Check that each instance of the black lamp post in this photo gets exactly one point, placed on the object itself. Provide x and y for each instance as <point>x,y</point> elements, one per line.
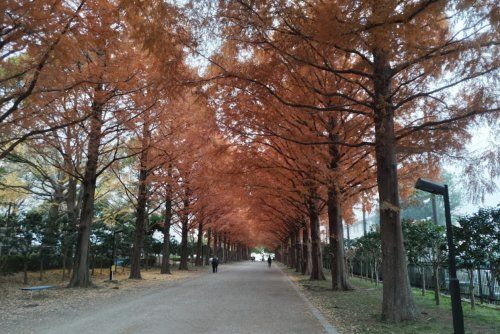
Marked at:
<point>456,304</point>
<point>114,254</point>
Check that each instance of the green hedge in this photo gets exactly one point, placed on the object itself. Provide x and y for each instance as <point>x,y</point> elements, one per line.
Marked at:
<point>10,264</point>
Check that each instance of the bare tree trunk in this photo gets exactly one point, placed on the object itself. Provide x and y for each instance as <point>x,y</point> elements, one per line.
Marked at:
<point>298,252</point>
<point>165,261</point>
<point>142,200</point>
<point>335,227</point>
<point>224,249</point>
<point>199,244</point>
<point>80,276</point>
<point>283,253</point>
<point>208,255</point>
<point>216,244</point>
<point>436,284</point>
<point>220,251</point>
<point>288,254</point>
<point>397,303</point>
<point>184,236</point>
<point>221,246</point>
<point>291,250</point>
<point>309,251</point>
<point>135,261</point>
<point>317,267</point>
<point>305,240</point>
<point>338,270</point>
<point>423,280</point>
<point>480,284</point>
<point>471,289</point>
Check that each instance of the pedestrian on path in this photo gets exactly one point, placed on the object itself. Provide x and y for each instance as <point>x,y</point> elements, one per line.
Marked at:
<point>269,261</point>
<point>215,264</point>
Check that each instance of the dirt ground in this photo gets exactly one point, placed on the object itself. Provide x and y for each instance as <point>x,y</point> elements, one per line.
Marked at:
<point>16,303</point>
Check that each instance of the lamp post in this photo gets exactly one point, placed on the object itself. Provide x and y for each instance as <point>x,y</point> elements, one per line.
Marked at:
<point>456,305</point>
<point>113,254</point>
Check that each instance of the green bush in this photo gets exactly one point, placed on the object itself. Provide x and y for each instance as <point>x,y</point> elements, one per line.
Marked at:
<point>10,264</point>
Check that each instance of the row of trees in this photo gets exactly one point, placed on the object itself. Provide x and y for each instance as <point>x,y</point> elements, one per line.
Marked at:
<point>476,237</point>
<point>102,129</point>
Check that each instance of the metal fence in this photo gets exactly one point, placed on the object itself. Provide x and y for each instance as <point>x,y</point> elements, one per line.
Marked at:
<point>486,288</point>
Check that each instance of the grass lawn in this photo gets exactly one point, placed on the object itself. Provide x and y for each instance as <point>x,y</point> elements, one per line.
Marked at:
<point>358,311</point>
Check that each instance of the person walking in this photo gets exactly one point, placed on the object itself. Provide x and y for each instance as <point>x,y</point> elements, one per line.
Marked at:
<point>215,264</point>
<point>269,261</point>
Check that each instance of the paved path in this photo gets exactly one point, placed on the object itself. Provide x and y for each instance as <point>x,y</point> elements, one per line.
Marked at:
<point>242,298</point>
